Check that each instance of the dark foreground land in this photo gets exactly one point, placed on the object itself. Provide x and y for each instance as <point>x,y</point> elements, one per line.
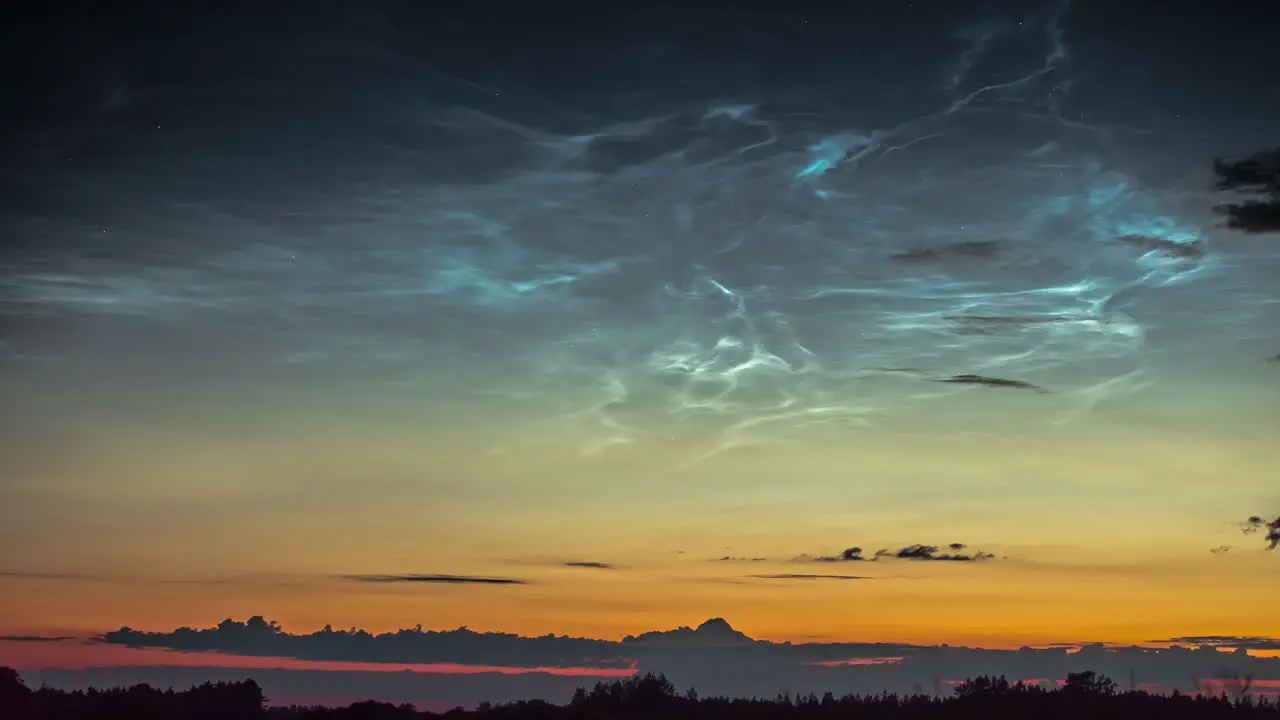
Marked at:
<point>1085,696</point>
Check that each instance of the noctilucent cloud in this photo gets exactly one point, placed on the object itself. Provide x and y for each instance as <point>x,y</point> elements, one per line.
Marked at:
<point>909,324</point>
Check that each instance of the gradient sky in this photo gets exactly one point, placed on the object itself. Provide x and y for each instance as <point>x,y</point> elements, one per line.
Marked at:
<point>291,300</point>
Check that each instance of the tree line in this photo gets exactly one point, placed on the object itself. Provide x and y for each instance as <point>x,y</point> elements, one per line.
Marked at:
<point>643,697</point>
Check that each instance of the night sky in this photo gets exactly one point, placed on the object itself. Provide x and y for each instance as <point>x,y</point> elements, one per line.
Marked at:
<point>595,320</point>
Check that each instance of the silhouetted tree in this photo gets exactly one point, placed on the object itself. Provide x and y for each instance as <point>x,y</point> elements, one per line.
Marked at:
<point>983,686</point>
<point>1089,683</point>
<point>1258,177</point>
<point>14,694</point>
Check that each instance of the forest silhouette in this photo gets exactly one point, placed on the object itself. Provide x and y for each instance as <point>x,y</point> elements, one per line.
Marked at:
<point>1084,695</point>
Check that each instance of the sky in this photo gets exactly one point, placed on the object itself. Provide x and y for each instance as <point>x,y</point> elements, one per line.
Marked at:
<point>599,322</point>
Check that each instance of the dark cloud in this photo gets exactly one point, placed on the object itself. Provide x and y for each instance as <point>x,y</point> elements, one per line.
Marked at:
<point>1255,179</point>
<point>978,249</point>
<point>589,564</point>
<point>733,558</point>
<point>807,576</point>
<point>1256,524</point>
<point>1221,549</point>
<point>36,638</point>
<point>955,552</point>
<point>853,554</point>
<point>714,657</point>
<point>444,579</point>
<point>1248,642</point>
<point>986,381</point>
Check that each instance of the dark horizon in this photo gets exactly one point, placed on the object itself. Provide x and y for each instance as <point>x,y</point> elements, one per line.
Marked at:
<point>464,667</point>
<point>653,695</point>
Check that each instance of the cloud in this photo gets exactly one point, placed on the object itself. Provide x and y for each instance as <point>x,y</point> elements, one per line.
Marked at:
<point>36,638</point>
<point>995,382</point>
<point>442,579</point>
<point>976,249</point>
<point>955,552</point>
<point>35,575</point>
<point>733,558</point>
<point>1248,642</point>
<point>589,564</point>
<point>807,576</point>
<point>260,637</point>
<point>714,657</point>
<point>853,554</point>
<point>1256,523</point>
